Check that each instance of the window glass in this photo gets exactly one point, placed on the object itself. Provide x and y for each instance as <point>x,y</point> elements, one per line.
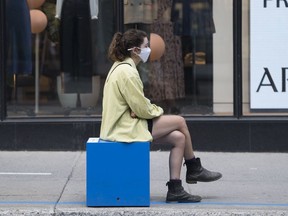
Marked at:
<point>195,74</point>
<point>56,67</point>
<point>264,69</point>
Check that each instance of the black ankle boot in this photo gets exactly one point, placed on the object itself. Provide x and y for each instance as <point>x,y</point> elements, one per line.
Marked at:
<point>176,193</point>
<point>195,173</point>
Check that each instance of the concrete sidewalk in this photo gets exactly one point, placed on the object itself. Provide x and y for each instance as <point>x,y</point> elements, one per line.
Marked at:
<point>54,183</point>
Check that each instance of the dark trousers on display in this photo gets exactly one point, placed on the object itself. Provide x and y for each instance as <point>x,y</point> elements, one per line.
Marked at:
<point>75,44</point>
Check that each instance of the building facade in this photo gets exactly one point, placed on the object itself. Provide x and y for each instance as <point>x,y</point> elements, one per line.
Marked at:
<point>223,69</point>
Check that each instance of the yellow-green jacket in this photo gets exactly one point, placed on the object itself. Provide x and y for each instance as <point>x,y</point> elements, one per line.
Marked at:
<point>123,93</point>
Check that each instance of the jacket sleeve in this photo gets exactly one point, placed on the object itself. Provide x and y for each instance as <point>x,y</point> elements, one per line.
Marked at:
<point>132,91</point>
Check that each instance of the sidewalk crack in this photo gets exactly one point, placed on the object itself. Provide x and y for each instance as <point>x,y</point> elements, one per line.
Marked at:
<point>66,183</point>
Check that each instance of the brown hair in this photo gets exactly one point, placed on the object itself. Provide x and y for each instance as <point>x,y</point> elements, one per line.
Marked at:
<point>121,42</point>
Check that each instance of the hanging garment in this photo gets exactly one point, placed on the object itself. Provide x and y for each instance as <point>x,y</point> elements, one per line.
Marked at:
<point>93,5</point>
<point>166,78</point>
<point>19,37</point>
<point>192,17</point>
<point>140,11</point>
<point>103,30</point>
<point>75,46</point>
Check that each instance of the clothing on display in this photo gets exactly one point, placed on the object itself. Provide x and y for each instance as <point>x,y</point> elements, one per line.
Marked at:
<point>93,5</point>
<point>140,11</point>
<point>19,37</point>
<point>75,46</point>
<point>166,77</point>
<point>53,24</point>
<point>192,17</point>
<point>103,30</point>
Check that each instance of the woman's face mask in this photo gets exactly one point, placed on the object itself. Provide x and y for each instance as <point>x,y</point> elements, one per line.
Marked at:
<point>144,54</point>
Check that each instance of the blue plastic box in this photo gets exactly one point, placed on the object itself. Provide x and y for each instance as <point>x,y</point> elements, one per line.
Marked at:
<point>117,173</point>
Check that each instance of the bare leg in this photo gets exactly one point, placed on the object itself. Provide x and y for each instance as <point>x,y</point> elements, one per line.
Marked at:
<point>173,130</point>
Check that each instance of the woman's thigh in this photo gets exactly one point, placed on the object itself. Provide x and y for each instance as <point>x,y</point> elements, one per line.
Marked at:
<point>165,124</point>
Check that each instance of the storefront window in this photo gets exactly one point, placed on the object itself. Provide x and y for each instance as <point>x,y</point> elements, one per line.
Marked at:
<point>223,58</point>
<point>264,57</point>
<point>195,74</point>
<point>59,69</point>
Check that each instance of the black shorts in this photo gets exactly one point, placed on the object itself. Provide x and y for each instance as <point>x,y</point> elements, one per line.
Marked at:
<point>150,125</point>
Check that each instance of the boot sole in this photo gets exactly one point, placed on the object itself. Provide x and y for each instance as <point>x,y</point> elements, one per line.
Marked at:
<point>183,201</point>
<point>195,182</point>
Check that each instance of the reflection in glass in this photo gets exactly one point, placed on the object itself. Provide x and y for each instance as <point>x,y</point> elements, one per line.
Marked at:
<point>193,77</point>
<point>73,62</point>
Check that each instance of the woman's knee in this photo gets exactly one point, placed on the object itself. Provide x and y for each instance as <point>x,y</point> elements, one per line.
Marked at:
<point>181,122</point>
<point>178,139</point>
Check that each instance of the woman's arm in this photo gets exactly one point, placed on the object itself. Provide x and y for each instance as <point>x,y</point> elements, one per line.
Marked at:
<point>141,107</point>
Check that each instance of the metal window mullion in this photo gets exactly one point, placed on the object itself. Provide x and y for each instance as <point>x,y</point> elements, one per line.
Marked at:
<point>2,62</point>
<point>237,58</point>
<point>119,15</point>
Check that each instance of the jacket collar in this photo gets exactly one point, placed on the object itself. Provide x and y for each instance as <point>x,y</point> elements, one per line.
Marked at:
<point>129,61</point>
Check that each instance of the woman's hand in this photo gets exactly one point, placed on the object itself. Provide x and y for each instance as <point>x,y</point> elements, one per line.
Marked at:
<point>133,115</point>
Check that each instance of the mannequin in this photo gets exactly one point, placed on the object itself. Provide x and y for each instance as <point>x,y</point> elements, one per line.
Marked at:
<point>76,52</point>
<point>19,42</point>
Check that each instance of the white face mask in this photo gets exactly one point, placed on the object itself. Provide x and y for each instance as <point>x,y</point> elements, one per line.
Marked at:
<point>144,54</point>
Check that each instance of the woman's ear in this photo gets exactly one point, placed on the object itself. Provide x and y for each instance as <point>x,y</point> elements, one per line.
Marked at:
<point>137,50</point>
